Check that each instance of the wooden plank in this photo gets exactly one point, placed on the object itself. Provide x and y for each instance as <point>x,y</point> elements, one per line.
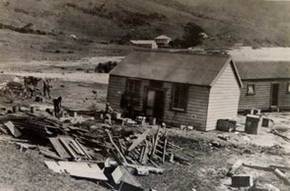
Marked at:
<point>141,154</point>
<point>59,148</point>
<point>164,150</point>
<point>156,138</point>
<point>275,132</point>
<point>116,147</point>
<point>282,176</point>
<point>12,129</point>
<point>77,169</point>
<point>50,154</point>
<point>145,154</point>
<point>149,168</point>
<point>83,149</point>
<point>139,140</point>
<point>122,175</point>
<point>258,167</point>
<point>280,167</point>
<point>65,142</point>
<point>75,149</point>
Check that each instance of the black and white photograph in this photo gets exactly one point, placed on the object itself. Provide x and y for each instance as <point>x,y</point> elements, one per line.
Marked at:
<point>145,95</point>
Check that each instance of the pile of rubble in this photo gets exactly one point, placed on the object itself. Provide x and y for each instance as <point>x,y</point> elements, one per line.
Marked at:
<point>109,154</point>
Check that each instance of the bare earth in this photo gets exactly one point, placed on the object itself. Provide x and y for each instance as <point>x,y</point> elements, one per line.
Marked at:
<point>82,89</point>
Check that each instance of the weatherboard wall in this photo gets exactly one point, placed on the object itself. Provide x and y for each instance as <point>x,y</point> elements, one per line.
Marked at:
<point>223,98</point>
<point>262,97</point>
<point>116,88</point>
<point>196,110</point>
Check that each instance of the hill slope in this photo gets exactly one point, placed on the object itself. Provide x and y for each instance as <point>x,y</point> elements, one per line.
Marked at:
<point>252,22</point>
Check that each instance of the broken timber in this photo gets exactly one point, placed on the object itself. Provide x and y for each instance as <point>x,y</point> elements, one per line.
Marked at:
<point>116,147</point>
<point>12,129</point>
<point>77,169</point>
<point>139,140</point>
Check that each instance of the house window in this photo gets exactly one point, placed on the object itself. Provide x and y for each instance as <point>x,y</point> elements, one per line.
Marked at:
<point>133,86</point>
<point>179,97</point>
<point>288,87</point>
<point>251,89</point>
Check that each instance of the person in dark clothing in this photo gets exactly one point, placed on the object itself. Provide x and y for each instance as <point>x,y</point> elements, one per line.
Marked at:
<point>46,88</point>
<point>57,106</point>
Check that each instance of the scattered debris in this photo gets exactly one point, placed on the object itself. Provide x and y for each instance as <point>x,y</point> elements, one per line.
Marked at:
<point>235,167</point>
<point>77,169</point>
<point>125,180</point>
<point>226,125</point>
<point>275,132</point>
<point>282,176</point>
<point>12,129</point>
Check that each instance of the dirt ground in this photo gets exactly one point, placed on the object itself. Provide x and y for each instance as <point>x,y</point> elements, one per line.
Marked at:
<point>210,156</point>
<point>26,171</point>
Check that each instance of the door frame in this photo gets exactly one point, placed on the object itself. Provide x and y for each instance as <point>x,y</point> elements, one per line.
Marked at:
<point>271,94</point>
<point>149,88</point>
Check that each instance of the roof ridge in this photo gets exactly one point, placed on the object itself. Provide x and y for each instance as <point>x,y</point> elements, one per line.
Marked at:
<point>185,52</point>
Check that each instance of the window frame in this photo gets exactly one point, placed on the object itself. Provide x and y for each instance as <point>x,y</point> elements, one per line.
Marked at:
<point>254,90</point>
<point>288,88</point>
<point>185,97</point>
<point>136,90</point>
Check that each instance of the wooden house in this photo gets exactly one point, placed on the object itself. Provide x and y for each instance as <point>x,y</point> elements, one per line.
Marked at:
<point>163,41</point>
<point>266,85</point>
<point>176,88</point>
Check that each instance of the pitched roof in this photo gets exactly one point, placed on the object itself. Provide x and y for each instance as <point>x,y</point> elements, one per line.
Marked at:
<point>163,37</point>
<point>173,67</point>
<point>264,69</point>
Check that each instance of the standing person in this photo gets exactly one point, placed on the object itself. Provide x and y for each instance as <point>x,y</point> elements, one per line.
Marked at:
<point>26,86</point>
<point>46,88</point>
<point>57,106</point>
<point>59,102</point>
<point>31,90</point>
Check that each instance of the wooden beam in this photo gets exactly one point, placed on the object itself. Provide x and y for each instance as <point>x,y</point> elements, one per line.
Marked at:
<point>164,149</point>
<point>139,140</point>
<point>116,147</point>
<point>59,148</point>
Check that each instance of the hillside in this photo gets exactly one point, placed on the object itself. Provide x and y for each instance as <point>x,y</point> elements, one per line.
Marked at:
<point>52,23</point>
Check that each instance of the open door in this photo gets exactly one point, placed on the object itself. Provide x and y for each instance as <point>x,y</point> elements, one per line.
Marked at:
<point>275,95</point>
<point>154,105</point>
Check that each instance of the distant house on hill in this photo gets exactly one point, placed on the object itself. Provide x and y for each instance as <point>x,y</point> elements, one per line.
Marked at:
<point>144,43</point>
<point>176,88</point>
<point>163,41</point>
<point>266,84</point>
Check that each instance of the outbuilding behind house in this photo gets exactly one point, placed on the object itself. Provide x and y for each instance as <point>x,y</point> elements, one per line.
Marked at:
<point>266,85</point>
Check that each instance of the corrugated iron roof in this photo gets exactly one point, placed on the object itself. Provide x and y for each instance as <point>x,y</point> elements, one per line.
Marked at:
<point>263,69</point>
<point>173,67</point>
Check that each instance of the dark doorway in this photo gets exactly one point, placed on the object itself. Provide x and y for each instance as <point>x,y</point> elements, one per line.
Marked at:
<point>274,94</point>
<point>154,106</point>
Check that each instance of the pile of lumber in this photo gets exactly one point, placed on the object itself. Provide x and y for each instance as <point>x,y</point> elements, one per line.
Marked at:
<point>147,147</point>
<point>76,150</point>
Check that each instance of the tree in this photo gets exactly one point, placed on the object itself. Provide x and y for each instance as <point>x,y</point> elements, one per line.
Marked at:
<point>192,35</point>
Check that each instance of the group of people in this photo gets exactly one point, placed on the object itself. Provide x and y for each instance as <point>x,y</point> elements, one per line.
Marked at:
<point>31,86</point>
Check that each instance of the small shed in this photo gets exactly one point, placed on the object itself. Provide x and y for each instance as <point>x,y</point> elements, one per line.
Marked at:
<point>178,88</point>
<point>163,41</point>
<point>151,44</point>
<point>266,85</point>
